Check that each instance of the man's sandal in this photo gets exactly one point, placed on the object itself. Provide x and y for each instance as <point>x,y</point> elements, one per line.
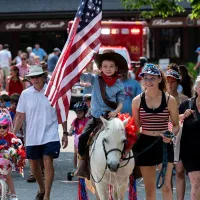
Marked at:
<point>31,179</point>
<point>40,196</point>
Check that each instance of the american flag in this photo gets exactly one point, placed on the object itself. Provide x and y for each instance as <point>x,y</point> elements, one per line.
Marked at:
<point>83,41</point>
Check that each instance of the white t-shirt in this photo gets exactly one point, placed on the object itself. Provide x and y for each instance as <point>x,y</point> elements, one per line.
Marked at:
<point>5,57</point>
<point>41,118</point>
<point>31,58</point>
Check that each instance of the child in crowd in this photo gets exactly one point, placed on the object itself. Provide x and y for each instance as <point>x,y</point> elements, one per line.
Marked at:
<point>87,99</point>
<point>4,101</point>
<point>5,122</point>
<point>81,108</point>
<point>111,64</point>
<point>14,98</point>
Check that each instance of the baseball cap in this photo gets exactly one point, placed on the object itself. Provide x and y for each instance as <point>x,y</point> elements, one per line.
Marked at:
<point>6,46</point>
<point>172,73</point>
<point>151,69</point>
<point>57,49</point>
<point>198,49</point>
<point>29,49</point>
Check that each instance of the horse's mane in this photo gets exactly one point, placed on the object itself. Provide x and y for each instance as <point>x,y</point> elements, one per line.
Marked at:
<point>116,124</point>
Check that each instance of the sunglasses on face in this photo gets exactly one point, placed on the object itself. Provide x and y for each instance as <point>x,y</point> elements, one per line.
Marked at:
<point>3,127</point>
<point>24,58</point>
<point>32,77</point>
<point>149,79</point>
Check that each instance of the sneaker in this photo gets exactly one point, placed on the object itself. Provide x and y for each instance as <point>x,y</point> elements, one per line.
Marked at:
<point>31,179</point>
<point>13,197</point>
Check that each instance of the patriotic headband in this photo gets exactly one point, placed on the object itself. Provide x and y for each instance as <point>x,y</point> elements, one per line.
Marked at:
<point>150,69</point>
<point>172,73</point>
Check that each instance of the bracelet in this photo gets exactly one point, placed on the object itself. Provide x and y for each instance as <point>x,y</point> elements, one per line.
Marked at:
<point>65,133</point>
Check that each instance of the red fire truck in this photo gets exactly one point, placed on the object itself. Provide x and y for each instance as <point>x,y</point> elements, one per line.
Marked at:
<point>131,35</point>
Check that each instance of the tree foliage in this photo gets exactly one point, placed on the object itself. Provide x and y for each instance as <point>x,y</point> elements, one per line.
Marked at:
<point>163,8</point>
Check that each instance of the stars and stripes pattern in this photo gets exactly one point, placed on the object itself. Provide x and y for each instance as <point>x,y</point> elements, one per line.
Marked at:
<point>83,41</point>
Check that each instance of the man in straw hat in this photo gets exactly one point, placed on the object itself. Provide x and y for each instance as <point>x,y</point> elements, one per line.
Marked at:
<point>42,138</point>
<point>110,64</point>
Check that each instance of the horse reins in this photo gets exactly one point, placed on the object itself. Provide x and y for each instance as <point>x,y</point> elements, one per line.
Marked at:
<point>90,166</point>
<point>144,150</point>
<point>128,159</point>
<point>164,163</point>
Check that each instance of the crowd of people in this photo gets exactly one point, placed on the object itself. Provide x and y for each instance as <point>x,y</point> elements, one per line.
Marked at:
<point>158,101</point>
<point>13,71</point>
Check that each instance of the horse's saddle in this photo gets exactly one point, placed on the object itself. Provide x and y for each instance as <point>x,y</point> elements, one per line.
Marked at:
<point>94,135</point>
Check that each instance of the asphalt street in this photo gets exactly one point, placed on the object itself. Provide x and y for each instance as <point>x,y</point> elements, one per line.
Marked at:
<point>67,190</point>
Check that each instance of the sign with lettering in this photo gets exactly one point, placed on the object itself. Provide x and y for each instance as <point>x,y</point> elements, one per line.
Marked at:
<point>33,25</point>
<point>168,22</point>
<point>174,22</point>
<point>165,22</point>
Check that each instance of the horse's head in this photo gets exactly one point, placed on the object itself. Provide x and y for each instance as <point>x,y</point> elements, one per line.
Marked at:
<point>113,141</point>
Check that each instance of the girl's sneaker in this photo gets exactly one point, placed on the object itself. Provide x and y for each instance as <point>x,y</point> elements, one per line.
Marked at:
<point>13,197</point>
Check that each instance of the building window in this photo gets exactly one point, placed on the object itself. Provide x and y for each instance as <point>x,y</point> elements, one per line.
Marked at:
<point>169,43</point>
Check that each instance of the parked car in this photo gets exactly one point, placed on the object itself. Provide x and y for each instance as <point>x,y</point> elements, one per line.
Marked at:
<point>77,93</point>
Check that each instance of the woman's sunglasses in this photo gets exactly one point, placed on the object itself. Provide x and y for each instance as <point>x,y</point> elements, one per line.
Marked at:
<point>3,127</point>
<point>38,76</point>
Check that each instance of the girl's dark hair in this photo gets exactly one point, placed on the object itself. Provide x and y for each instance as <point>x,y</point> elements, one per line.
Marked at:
<point>186,81</point>
<point>16,69</point>
<point>17,73</point>
<point>14,98</point>
<point>5,98</point>
<point>162,84</point>
<point>174,67</point>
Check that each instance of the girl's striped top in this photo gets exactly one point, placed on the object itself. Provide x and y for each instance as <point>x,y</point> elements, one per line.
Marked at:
<point>154,119</point>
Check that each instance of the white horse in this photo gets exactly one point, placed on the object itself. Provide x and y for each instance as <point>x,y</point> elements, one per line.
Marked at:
<point>107,151</point>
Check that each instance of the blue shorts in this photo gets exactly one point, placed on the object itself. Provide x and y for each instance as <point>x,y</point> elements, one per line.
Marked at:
<point>49,149</point>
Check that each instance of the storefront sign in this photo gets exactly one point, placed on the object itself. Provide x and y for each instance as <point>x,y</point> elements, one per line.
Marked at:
<point>163,22</point>
<point>167,22</point>
<point>174,22</point>
<point>33,25</point>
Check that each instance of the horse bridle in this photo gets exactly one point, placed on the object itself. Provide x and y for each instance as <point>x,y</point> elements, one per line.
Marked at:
<point>106,156</point>
<point>111,150</point>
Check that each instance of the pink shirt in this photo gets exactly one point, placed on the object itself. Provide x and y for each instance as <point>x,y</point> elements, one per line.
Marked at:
<point>23,71</point>
<point>79,125</point>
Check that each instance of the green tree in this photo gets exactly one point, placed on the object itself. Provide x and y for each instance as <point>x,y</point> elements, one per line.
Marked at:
<point>163,8</point>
